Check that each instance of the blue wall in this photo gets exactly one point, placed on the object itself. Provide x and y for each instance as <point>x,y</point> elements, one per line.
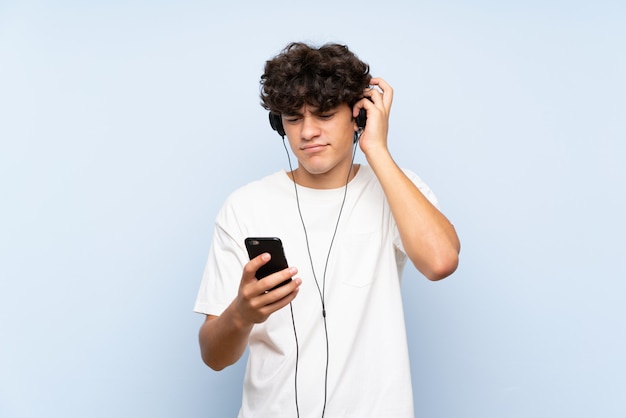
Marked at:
<point>124,126</point>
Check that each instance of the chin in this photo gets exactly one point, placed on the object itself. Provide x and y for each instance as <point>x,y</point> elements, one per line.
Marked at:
<point>314,168</point>
<point>315,171</point>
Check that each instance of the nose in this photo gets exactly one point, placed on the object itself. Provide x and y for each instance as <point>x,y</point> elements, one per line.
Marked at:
<point>310,128</point>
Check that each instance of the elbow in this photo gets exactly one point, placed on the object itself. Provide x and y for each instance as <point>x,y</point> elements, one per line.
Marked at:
<point>445,262</point>
<point>218,352</point>
<point>216,367</point>
<point>441,266</point>
<point>213,364</point>
<point>437,259</point>
<point>443,269</point>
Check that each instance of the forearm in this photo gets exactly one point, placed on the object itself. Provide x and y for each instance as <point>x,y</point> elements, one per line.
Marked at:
<point>223,339</point>
<point>429,239</point>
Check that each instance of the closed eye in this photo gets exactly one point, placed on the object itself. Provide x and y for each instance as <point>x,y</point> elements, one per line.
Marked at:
<point>292,119</point>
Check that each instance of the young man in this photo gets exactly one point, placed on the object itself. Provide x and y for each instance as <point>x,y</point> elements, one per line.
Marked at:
<point>332,341</point>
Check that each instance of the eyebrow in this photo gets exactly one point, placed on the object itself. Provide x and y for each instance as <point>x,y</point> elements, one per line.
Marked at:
<point>291,114</point>
<point>316,112</point>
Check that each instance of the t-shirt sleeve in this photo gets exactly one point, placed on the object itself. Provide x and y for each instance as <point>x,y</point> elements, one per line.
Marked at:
<point>423,187</point>
<point>222,273</point>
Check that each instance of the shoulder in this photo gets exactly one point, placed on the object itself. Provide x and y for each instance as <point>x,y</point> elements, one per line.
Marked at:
<point>272,183</point>
<point>253,195</point>
<point>369,177</point>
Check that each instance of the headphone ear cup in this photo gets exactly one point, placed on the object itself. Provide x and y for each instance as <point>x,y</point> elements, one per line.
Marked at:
<point>361,119</point>
<point>276,122</point>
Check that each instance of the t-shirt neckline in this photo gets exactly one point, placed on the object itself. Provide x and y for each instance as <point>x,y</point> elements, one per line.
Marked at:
<point>286,177</point>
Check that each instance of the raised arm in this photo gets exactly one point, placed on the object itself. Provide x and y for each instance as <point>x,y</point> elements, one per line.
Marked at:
<point>429,239</point>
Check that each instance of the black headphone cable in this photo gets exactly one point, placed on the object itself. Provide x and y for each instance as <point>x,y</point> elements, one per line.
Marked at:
<point>322,290</point>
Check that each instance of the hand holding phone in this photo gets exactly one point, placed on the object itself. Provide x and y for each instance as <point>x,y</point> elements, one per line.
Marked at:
<point>272,245</point>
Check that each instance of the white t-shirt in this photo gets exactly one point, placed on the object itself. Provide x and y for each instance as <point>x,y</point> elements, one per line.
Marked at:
<point>368,371</point>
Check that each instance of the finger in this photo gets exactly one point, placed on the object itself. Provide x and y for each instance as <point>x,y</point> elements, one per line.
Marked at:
<point>386,89</point>
<point>375,96</point>
<point>270,282</point>
<point>380,83</point>
<point>281,303</point>
<point>249,270</point>
<point>369,91</point>
<point>371,96</point>
<point>279,297</point>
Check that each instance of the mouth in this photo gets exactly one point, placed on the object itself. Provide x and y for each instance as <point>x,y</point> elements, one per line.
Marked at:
<point>313,148</point>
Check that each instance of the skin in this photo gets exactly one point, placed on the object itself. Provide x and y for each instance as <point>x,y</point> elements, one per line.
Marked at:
<point>322,143</point>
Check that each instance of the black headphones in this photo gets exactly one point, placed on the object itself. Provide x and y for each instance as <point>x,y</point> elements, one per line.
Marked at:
<point>276,122</point>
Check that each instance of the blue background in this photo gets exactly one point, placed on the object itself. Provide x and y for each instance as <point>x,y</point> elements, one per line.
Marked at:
<point>125,124</point>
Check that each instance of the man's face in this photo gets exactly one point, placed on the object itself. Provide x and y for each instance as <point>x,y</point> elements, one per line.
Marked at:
<point>322,143</point>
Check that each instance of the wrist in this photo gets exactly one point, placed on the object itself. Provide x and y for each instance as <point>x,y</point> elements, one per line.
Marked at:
<point>237,319</point>
<point>377,155</point>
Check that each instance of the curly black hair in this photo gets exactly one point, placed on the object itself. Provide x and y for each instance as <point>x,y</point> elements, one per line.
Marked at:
<point>323,78</point>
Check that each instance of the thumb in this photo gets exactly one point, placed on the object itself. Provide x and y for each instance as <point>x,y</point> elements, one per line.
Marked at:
<point>250,269</point>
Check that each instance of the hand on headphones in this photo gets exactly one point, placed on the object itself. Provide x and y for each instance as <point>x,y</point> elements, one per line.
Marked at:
<point>376,101</point>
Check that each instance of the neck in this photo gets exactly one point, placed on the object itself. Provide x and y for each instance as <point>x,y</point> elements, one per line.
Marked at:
<point>324,180</point>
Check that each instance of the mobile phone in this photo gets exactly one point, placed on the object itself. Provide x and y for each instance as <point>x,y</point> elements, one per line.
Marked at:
<point>272,245</point>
